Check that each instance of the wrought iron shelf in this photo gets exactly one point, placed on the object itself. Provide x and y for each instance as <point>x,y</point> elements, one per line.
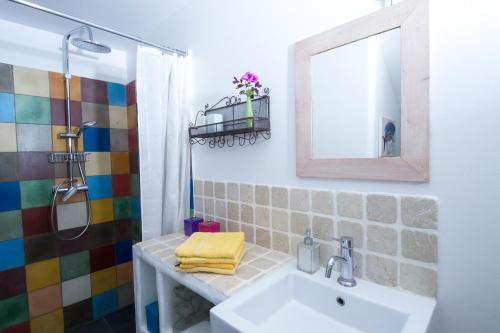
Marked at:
<point>234,127</point>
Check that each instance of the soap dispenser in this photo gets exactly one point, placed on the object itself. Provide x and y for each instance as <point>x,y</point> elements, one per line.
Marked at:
<point>308,254</point>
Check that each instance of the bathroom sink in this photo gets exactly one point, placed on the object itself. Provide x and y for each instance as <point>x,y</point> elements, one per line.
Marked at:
<point>292,301</point>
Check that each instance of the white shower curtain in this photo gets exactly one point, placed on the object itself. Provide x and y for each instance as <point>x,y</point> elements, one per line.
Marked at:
<point>163,113</point>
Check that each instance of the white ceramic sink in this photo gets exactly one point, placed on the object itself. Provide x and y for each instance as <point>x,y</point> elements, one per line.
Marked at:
<point>292,301</point>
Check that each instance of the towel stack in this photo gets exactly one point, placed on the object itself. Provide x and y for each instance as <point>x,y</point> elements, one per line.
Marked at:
<point>218,252</point>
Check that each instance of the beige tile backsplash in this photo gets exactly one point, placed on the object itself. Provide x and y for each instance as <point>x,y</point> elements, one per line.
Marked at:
<point>395,236</point>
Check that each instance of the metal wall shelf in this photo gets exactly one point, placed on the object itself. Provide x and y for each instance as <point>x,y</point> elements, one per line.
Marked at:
<point>235,127</point>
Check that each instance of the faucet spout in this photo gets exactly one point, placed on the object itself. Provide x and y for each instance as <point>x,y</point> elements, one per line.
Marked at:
<point>331,262</point>
<point>346,278</point>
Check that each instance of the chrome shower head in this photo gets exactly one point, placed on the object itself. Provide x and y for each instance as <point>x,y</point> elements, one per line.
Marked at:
<point>69,193</point>
<point>85,125</point>
<point>90,45</point>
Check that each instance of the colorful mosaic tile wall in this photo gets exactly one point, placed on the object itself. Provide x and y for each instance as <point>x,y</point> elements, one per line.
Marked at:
<point>49,285</point>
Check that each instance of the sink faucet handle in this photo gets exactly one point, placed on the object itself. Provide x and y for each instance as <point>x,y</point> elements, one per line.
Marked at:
<point>345,241</point>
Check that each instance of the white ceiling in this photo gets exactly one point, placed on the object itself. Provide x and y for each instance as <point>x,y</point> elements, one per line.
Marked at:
<point>134,17</point>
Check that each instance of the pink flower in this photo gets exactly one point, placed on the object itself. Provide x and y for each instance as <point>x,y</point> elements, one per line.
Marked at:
<point>249,77</point>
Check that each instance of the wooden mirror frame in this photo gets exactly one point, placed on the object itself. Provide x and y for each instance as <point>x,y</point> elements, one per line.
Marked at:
<point>413,164</point>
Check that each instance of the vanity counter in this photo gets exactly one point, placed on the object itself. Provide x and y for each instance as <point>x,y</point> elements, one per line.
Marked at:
<point>155,275</point>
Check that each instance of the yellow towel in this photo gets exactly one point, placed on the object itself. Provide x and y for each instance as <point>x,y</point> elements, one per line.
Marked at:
<point>211,252</point>
<point>203,261</point>
<point>226,269</point>
<point>216,245</point>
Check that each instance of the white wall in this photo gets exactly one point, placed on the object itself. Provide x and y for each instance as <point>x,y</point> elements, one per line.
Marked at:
<point>29,47</point>
<point>231,37</point>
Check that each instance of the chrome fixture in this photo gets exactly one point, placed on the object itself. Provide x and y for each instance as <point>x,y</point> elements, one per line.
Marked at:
<point>69,187</point>
<point>96,26</point>
<point>84,125</point>
<point>346,277</point>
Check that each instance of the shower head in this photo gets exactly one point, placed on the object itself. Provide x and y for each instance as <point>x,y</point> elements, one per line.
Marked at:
<point>85,125</point>
<point>90,45</point>
<point>69,193</point>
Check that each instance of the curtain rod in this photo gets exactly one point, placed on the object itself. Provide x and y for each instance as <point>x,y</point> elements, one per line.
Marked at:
<point>96,26</point>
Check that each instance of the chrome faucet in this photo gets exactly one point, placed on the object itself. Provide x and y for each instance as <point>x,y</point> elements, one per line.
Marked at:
<point>346,277</point>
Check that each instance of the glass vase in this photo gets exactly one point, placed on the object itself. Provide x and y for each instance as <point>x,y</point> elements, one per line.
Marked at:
<point>249,113</point>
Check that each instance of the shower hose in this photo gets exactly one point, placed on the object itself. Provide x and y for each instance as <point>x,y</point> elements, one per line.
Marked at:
<point>54,204</point>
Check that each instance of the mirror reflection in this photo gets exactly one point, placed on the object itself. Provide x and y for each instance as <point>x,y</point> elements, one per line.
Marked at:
<point>356,99</point>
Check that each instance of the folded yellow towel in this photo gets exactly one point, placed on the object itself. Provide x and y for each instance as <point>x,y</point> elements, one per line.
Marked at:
<point>211,245</point>
<point>211,252</point>
<point>202,261</point>
<point>226,269</point>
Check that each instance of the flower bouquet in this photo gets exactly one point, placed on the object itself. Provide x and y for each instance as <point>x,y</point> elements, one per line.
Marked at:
<point>248,85</point>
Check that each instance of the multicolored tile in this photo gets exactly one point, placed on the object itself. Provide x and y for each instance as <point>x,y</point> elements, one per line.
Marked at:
<point>124,273</point>
<point>44,300</point>
<point>8,137</point>
<point>76,290</point>
<point>102,210</point>
<point>8,167</point>
<point>29,81</point>
<point>102,257</point>
<point>33,110</point>
<point>100,187</point>
<point>98,163</point>
<point>96,139</point>
<point>125,295</point>
<point>81,276</point>
<point>117,94</point>
<point>34,137</point>
<point>41,247</point>
<point>123,229</point>
<point>118,117</point>
<point>6,78</point>
<point>71,215</point>
<point>78,313</point>
<point>58,112</point>
<point>52,322</point>
<point>11,196</point>
<point>7,109</point>
<point>13,282</point>
<point>34,165</point>
<point>75,265</point>
<point>19,328</point>
<point>94,91</point>
<point>104,303</point>
<point>135,188</point>
<point>57,86</point>
<point>103,280</point>
<point>101,234</point>
<point>96,112</point>
<point>15,257</point>
<point>42,274</point>
<point>121,185</point>
<point>132,116</point>
<point>36,221</point>
<point>131,93</point>
<point>120,163</point>
<point>118,139</point>
<point>13,311</point>
<point>122,208</point>
<point>36,193</point>
<point>123,251</point>
<point>10,225</point>
<point>133,141</point>
<point>135,204</point>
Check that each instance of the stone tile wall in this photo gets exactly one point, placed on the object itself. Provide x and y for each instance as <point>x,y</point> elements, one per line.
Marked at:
<point>395,236</point>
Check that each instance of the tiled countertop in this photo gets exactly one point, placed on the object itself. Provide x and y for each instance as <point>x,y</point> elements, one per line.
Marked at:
<point>256,263</point>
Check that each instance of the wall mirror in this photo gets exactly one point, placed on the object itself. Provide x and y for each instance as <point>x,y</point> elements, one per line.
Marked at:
<point>362,97</point>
